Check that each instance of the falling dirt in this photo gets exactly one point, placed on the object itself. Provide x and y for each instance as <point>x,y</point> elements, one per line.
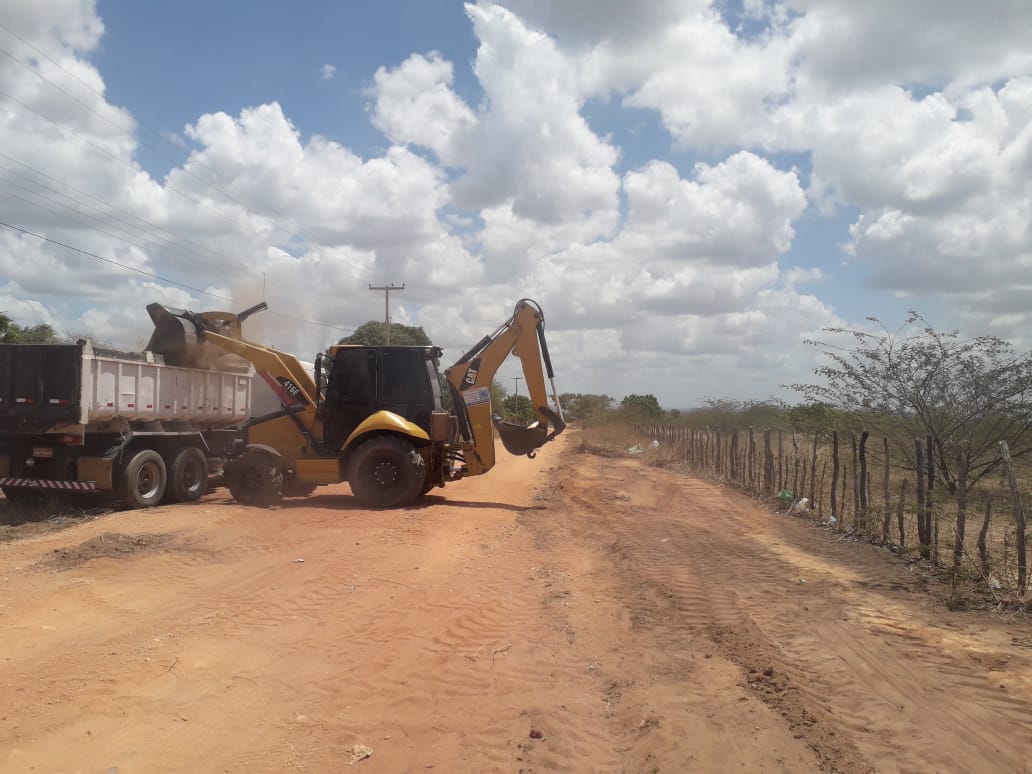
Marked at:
<point>571,613</point>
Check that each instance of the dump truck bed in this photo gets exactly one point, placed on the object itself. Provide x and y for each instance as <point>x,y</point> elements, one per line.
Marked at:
<point>70,388</point>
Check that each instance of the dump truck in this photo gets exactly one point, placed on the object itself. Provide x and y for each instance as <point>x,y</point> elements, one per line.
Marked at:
<point>147,427</point>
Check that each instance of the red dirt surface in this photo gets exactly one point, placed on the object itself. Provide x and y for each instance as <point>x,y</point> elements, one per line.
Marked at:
<point>570,613</point>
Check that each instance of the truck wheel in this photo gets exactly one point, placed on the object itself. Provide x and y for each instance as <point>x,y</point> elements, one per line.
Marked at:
<point>142,481</point>
<point>386,472</point>
<point>187,476</point>
<point>254,478</point>
<point>22,496</point>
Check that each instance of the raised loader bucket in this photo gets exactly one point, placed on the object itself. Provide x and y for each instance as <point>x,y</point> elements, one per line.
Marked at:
<point>178,334</point>
<point>520,440</point>
<point>175,334</point>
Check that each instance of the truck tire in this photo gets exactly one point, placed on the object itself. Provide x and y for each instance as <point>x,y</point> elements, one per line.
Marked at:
<point>141,482</point>
<point>22,496</point>
<point>386,472</point>
<point>254,478</point>
<point>187,476</point>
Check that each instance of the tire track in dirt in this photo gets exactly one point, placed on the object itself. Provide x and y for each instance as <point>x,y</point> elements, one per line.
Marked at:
<point>815,649</point>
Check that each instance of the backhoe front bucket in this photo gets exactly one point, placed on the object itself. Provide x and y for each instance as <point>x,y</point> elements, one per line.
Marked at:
<point>520,440</point>
<point>175,334</point>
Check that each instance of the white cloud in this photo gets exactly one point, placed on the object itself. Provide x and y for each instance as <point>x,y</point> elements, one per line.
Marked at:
<point>681,273</point>
<point>415,104</point>
<point>328,72</point>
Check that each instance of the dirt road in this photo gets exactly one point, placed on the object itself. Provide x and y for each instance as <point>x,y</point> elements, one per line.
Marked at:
<point>617,618</point>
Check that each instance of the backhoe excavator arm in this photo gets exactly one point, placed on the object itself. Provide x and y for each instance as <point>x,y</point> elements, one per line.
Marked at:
<point>524,336</point>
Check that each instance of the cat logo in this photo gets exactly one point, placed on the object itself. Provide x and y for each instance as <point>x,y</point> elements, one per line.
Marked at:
<point>471,374</point>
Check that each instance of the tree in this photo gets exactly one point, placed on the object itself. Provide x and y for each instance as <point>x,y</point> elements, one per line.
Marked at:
<point>370,334</point>
<point>519,408</point>
<point>642,406</point>
<point>498,393</point>
<point>737,414</point>
<point>585,406</point>
<point>970,393</point>
<point>13,333</point>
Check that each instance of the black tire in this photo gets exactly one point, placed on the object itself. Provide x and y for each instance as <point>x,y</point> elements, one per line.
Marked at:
<point>294,488</point>
<point>386,472</point>
<point>23,496</point>
<point>187,476</point>
<point>254,478</point>
<point>142,481</point>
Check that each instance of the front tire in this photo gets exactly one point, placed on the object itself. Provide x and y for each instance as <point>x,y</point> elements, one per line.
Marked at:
<point>255,478</point>
<point>386,472</point>
<point>143,479</point>
<point>187,476</point>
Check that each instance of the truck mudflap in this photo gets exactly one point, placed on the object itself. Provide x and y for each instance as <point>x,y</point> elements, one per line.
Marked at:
<point>46,483</point>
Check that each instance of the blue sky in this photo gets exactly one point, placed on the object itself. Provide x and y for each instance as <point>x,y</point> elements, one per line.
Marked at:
<point>690,189</point>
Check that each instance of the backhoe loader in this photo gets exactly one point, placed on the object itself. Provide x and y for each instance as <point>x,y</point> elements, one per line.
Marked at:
<point>380,418</point>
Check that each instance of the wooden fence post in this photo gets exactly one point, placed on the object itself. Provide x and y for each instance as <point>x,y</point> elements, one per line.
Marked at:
<point>751,461</point>
<point>768,463</point>
<point>795,467</point>
<point>983,550</point>
<point>899,515</point>
<point>781,461</point>
<point>1019,519</point>
<point>820,486</point>
<point>736,474</point>
<point>834,474</point>
<point>887,514</point>
<point>857,516</point>
<point>962,474</point>
<point>813,465</point>
<point>863,479</point>
<point>924,532</point>
<point>931,463</point>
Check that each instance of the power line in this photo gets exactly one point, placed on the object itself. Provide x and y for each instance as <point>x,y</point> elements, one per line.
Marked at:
<point>152,232</point>
<point>162,279</point>
<point>112,261</point>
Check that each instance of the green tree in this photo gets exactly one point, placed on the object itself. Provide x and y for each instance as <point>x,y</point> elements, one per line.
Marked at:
<point>917,381</point>
<point>519,409</point>
<point>642,406</point>
<point>498,394</point>
<point>371,334</point>
<point>13,333</point>
<point>585,406</point>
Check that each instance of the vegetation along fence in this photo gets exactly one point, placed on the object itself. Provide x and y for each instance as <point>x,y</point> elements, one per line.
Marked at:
<point>894,491</point>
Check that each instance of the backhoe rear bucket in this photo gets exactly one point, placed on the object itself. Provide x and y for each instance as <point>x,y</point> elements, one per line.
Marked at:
<point>520,440</point>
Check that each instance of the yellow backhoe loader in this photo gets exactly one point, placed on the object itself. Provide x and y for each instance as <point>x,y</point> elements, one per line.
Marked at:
<point>380,418</point>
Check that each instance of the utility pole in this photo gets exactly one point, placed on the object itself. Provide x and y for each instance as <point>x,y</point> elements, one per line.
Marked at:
<point>387,308</point>
<point>516,399</point>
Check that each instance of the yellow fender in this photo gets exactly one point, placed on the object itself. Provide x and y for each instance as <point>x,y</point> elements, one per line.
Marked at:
<point>387,421</point>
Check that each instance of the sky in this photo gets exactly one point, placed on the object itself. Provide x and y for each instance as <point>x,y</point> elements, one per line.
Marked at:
<point>691,190</point>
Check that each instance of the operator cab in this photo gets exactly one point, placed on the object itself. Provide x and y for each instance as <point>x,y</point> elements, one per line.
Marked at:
<point>359,381</point>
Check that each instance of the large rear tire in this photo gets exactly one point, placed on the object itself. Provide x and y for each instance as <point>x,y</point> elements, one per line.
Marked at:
<point>386,472</point>
<point>143,479</point>
<point>187,476</point>
<point>23,496</point>
<point>255,478</point>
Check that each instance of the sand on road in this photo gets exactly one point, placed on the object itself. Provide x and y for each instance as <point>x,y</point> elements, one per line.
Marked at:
<point>569,613</point>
